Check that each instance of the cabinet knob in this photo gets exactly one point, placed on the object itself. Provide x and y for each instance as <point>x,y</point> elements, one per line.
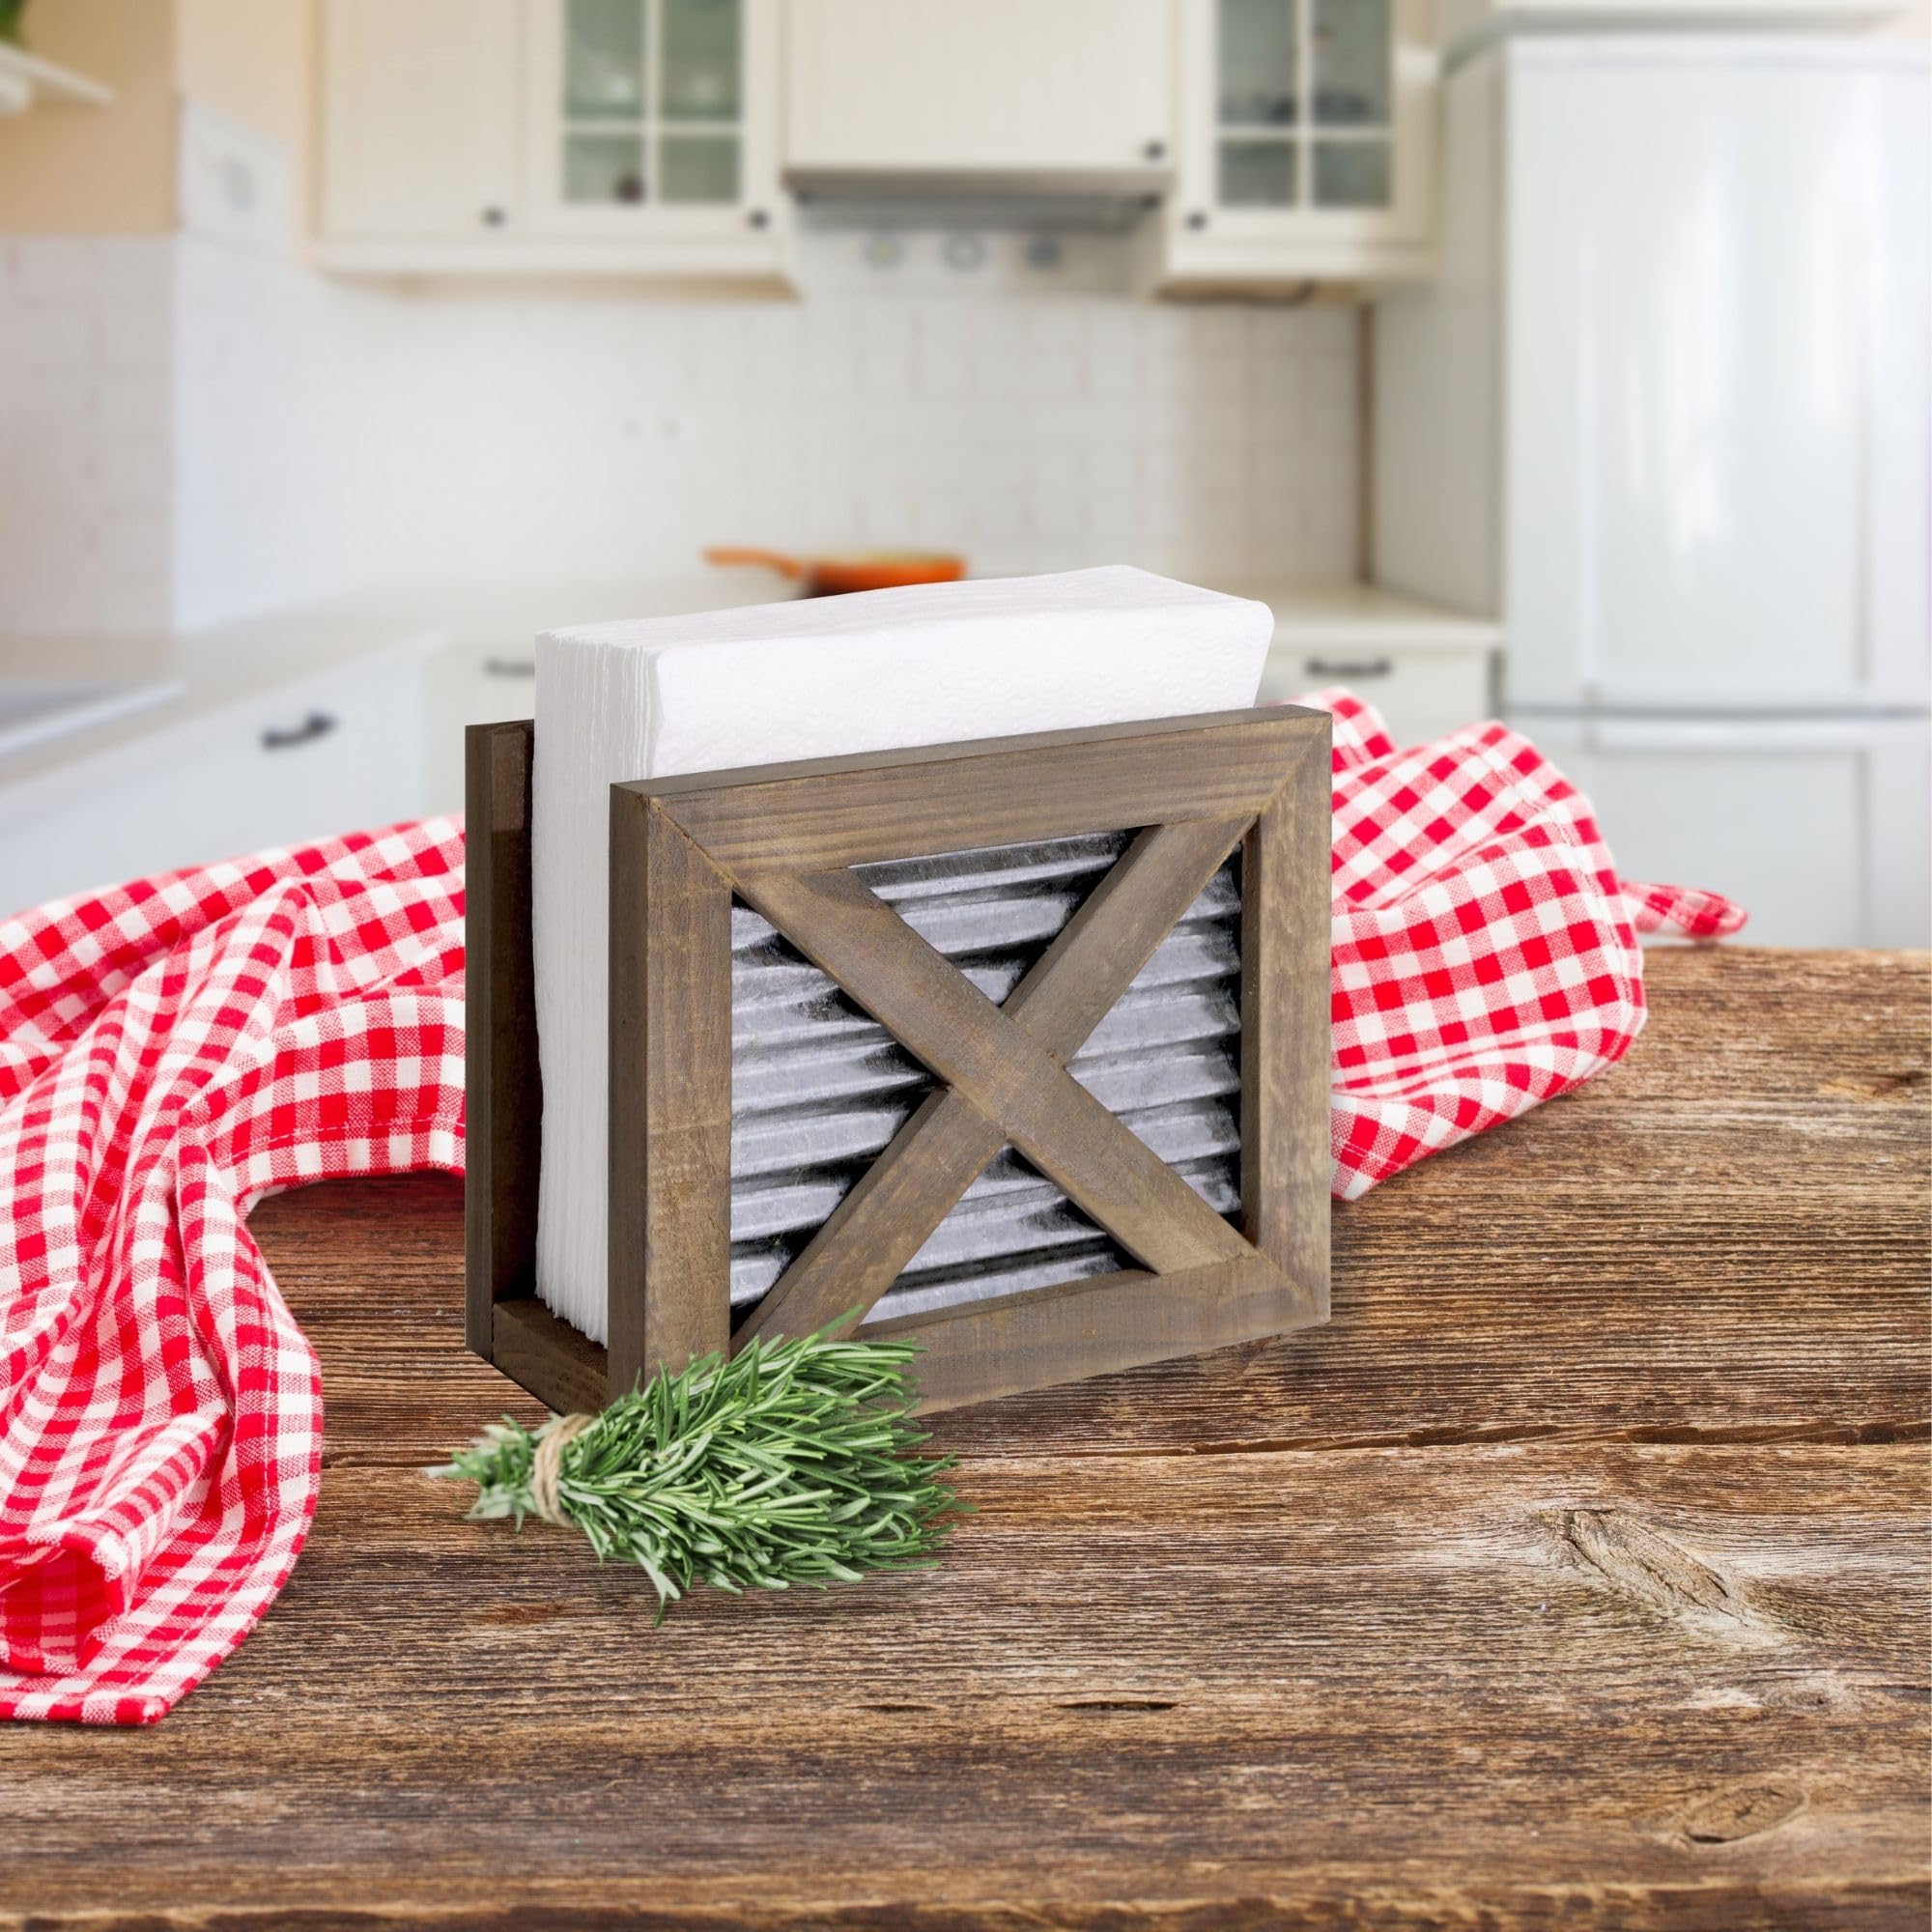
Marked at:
<point>1155,150</point>
<point>758,218</point>
<point>1197,219</point>
<point>493,217</point>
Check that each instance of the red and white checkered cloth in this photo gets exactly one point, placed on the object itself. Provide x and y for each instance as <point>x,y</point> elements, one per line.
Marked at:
<point>173,1050</point>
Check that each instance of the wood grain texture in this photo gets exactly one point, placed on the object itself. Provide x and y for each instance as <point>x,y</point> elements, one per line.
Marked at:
<point>931,1162</point>
<point>820,813</point>
<point>1286,895</point>
<point>1575,1576</point>
<point>975,1351</point>
<point>671,1097</point>
<point>559,1365</point>
<point>503,1086</point>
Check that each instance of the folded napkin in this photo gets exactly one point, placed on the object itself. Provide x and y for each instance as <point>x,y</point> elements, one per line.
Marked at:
<point>173,1050</point>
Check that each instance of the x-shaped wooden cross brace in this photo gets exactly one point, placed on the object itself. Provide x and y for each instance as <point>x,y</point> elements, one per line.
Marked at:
<point>1005,1072</point>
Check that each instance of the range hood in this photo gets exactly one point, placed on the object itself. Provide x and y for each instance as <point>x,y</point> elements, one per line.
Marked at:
<point>1141,181</point>
<point>1001,106</point>
<point>1059,200</point>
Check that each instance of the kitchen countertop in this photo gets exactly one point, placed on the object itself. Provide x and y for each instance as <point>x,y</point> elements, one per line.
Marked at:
<point>1575,1574</point>
<point>236,663</point>
<point>1367,616</point>
<point>218,670</point>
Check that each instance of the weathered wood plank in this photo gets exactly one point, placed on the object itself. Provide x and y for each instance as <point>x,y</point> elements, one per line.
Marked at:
<point>669,1190</point>
<point>503,1087</point>
<point>1724,1236</point>
<point>1575,1576</point>
<point>828,813</point>
<point>1105,1322</point>
<point>1285,1034</point>
<point>1552,1685</point>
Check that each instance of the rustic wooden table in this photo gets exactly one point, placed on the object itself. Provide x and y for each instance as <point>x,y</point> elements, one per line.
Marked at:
<point>1577,1574</point>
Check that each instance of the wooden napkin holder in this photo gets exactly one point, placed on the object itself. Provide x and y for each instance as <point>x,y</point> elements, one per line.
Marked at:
<point>781,839</point>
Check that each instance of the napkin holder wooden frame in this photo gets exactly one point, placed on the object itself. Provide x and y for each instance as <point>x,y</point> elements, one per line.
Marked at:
<point>1190,790</point>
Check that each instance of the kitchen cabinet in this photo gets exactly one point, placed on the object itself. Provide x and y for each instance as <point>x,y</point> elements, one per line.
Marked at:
<point>1429,672</point>
<point>571,138</point>
<point>1305,129</point>
<point>655,120</point>
<point>1067,93</point>
<point>324,756</point>
<point>419,112</point>
<point>1422,694</point>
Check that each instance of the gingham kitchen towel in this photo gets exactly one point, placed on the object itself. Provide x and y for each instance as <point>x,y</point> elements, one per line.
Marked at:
<point>173,1050</point>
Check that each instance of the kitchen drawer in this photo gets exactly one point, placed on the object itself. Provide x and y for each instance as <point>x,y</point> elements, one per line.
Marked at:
<point>334,754</point>
<point>1422,691</point>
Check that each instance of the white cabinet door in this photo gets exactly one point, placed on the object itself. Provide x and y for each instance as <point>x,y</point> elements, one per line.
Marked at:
<point>419,118</point>
<point>1716,329</point>
<point>1001,85</point>
<point>652,119</point>
<point>1306,131</point>
<point>1818,830</point>
<point>340,753</point>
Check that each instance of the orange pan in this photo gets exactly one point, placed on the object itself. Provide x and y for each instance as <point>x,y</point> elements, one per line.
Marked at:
<point>857,570</point>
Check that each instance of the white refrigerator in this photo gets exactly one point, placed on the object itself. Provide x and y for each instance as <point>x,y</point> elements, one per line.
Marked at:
<point>1664,414</point>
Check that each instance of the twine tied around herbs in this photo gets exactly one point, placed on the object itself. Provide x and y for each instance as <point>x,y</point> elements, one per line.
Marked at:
<point>794,1462</point>
<point>546,1465</point>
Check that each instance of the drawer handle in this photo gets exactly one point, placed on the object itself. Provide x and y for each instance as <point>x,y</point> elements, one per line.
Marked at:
<point>317,724</point>
<point>1348,667</point>
<point>509,668</point>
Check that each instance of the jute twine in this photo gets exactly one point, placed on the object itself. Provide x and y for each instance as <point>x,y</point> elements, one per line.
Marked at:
<point>546,1465</point>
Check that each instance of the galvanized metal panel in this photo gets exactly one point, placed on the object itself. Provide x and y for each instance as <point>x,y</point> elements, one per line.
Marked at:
<point>818,1087</point>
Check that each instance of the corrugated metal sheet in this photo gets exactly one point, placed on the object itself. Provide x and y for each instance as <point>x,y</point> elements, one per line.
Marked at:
<point>818,1087</point>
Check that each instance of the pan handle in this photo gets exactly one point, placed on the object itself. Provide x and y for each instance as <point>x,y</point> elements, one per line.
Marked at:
<point>727,554</point>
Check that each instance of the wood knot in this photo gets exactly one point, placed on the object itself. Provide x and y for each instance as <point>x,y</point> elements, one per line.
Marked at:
<point>1644,1564</point>
<point>1740,1811</point>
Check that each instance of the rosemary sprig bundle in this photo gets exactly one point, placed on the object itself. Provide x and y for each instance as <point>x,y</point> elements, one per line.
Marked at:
<point>790,1463</point>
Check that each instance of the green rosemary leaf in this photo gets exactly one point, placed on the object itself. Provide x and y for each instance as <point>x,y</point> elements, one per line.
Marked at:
<point>790,1463</point>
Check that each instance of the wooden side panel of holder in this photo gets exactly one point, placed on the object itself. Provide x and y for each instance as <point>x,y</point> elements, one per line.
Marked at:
<point>503,1322</point>
<point>783,839</point>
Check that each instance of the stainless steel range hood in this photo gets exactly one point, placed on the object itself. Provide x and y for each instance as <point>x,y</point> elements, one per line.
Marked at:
<point>1088,200</point>
<point>998,107</point>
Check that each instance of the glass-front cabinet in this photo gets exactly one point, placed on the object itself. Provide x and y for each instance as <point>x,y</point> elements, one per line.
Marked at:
<point>1306,128</point>
<point>652,116</point>
<point>551,137</point>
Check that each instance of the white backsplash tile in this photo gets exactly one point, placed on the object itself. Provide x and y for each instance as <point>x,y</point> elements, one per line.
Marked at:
<point>194,430</point>
<point>85,420</point>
